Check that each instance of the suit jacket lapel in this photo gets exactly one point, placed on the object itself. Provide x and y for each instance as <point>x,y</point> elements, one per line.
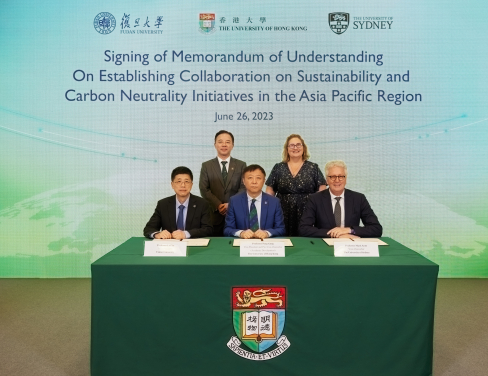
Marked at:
<point>329,210</point>
<point>230,172</point>
<point>192,207</point>
<point>171,209</point>
<point>349,206</point>
<point>264,212</point>
<point>218,171</point>
<point>245,209</point>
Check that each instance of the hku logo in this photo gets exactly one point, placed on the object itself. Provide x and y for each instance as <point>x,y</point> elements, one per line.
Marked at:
<point>207,23</point>
<point>338,22</point>
<point>258,316</point>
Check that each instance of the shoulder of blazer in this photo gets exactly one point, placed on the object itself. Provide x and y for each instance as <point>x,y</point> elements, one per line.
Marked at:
<point>270,198</point>
<point>238,161</point>
<point>322,195</point>
<point>239,196</point>
<point>170,200</point>
<point>196,200</point>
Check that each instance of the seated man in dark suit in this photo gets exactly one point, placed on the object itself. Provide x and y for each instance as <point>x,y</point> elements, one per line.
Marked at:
<point>336,212</point>
<point>180,216</point>
<point>253,213</point>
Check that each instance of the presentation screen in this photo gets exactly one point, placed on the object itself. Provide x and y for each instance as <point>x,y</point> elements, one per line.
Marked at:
<point>100,101</point>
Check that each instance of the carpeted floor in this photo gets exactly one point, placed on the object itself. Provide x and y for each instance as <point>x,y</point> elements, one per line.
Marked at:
<point>45,327</point>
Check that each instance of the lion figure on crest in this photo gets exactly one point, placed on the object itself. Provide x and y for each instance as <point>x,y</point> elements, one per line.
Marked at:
<point>260,298</point>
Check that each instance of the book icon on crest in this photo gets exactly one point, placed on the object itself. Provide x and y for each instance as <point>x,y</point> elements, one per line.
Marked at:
<point>259,325</point>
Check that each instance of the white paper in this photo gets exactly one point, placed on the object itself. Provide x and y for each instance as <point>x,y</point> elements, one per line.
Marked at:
<point>332,241</point>
<point>165,248</point>
<point>288,243</point>
<point>258,248</point>
<point>356,249</point>
<point>374,240</point>
<point>192,242</point>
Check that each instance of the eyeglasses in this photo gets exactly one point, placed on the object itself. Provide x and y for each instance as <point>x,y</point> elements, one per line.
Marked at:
<point>185,182</point>
<point>295,146</point>
<point>340,178</point>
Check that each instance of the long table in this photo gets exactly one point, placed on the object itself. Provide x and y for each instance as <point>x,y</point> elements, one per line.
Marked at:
<point>344,316</point>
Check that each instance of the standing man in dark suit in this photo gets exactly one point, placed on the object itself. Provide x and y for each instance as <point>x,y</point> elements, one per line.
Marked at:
<point>253,213</point>
<point>336,212</point>
<point>180,216</point>
<point>221,178</point>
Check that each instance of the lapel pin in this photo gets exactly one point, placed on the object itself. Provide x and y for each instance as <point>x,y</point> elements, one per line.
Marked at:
<point>265,202</point>
<point>194,206</point>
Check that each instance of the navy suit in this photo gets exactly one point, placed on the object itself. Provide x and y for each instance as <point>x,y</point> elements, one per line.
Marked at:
<point>318,216</point>
<point>237,217</point>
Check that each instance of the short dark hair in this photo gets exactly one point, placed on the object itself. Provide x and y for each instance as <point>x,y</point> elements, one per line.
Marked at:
<point>253,167</point>
<point>223,132</point>
<point>181,170</point>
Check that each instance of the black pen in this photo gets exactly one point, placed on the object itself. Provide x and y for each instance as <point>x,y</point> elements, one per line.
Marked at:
<point>312,242</point>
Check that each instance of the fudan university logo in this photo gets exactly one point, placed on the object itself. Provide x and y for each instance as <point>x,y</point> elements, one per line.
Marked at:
<point>258,317</point>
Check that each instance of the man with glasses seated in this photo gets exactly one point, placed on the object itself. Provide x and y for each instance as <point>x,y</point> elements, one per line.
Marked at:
<point>180,216</point>
<point>336,212</point>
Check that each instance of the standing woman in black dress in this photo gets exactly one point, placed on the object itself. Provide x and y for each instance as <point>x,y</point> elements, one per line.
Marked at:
<point>293,180</point>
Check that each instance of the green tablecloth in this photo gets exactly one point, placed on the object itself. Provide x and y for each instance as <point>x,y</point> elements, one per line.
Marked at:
<point>344,316</point>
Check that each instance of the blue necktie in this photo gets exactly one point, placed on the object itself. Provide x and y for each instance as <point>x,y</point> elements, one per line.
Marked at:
<point>179,223</point>
<point>253,217</point>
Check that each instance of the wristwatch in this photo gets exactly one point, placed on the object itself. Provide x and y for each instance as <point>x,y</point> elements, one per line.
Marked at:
<point>352,231</point>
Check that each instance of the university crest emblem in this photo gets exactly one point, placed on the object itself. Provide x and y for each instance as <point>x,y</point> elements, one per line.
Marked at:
<point>207,23</point>
<point>258,316</point>
<point>338,22</point>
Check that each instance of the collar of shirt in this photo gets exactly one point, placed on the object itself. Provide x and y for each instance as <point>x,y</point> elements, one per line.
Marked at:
<point>185,203</point>
<point>224,160</point>
<point>258,199</point>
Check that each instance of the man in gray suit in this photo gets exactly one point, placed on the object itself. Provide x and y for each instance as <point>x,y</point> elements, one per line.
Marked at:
<point>220,178</point>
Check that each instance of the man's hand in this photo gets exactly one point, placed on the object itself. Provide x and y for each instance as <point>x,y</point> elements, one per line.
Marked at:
<point>178,234</point>
<point>350,236</point>
<point>248,234</point>
<point>338,231</point>
<point>163,235</point>
<point>261,234</point>
<point>222,208</point>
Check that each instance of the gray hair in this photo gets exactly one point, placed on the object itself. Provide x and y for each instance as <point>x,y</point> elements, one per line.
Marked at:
<point>331,164</point>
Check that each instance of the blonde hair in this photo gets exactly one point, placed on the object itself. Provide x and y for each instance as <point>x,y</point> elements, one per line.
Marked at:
<point>286,156</point>
<point>337,163</point>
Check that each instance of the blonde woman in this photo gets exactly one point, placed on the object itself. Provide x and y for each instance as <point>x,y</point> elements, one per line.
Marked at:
<point>293,180</point>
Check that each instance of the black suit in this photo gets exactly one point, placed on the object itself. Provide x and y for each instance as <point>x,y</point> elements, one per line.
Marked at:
<point>164,217</point>
<point>318,216</point>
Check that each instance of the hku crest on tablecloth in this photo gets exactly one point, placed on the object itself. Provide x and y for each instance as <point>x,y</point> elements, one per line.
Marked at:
<point>258,316</point>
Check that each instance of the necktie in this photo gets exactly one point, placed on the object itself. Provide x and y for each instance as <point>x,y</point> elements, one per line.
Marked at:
<point>224,171</point>
<point>337,212</point>
<point>180,225</point>
<point>253,217</point>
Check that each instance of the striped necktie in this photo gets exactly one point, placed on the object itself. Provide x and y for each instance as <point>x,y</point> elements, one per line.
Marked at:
<point>224,172</point>
<point>253,217</point>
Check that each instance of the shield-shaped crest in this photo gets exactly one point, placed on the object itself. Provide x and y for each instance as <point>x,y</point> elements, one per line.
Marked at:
<point>338,22</point>
<point>258,314</point>
<point>207,23</point>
